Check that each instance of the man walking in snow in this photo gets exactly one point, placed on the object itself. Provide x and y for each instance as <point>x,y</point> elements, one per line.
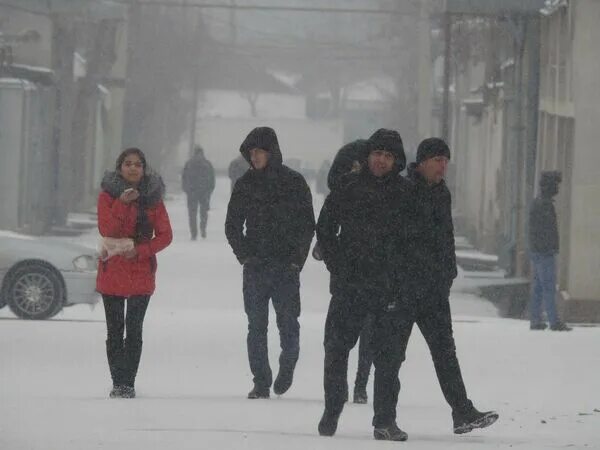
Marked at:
<point>347,161</point>
<point>543,242</point>
<point>358,232</point>
<point>274,204</point>
<point>431,268</point>
<point>198,182</point>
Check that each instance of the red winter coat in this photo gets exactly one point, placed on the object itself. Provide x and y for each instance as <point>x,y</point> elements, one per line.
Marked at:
<point>119,275</point>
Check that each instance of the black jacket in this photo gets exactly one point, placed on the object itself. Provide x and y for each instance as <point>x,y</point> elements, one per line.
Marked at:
<point>431,234</point>
<point>362,230</point>
<point>274,204</point>
<point>198,177</point>
<point>543,228</point>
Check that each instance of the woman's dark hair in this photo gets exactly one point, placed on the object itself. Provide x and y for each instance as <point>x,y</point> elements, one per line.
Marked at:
<point>143,227</point>
<point>131,151</point>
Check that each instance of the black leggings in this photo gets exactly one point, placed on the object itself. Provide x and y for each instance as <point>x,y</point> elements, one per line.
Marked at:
<point>124,336</point>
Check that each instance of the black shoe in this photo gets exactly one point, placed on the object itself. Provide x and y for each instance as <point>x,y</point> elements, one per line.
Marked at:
<point>127,392</point>
<point>389,433</point>
<point>538,326</point>
<point>328,423</point>
<point>116,391</point>
<point>360,396</point>
<point>464,423</point>
<point>194,238</point>
<point>283,381</point>
<point>560,326</point>
<point>203,234</point>
<point>259,393</point>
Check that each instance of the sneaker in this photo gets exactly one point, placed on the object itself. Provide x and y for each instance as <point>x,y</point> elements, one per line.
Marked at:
<point>259,393</point>
<point>538,326</point>
<point>464,423</point>
<point>115,392</point>
<point>389,433</point>
<point>127,392</point>
<point>328,423</point>
<point>283,381</point>
<point>360,396</point>
<point>560,326</point>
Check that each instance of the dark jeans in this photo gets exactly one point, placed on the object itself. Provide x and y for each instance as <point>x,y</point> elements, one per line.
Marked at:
<point>124,353</point>
<point>431,313</point>
<point>193,202</point>
<point>544,288</point>
<point>282,286</point>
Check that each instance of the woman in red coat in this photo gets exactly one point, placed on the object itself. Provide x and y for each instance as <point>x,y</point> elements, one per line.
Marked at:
<point>134,225</point>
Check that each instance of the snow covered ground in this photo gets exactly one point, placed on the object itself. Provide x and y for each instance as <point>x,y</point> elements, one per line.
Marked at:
<point>194,375</point>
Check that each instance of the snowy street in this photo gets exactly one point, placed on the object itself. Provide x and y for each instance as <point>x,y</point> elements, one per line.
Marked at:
<point>194,374</point>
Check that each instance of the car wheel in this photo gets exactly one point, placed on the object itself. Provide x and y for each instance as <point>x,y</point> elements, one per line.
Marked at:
<point>34,291</point>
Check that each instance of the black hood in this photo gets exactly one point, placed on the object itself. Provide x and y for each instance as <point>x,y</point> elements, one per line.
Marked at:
<point>152,188</point>
<point>265,139</point>
<point>344,160</point>
<point>388,140</point>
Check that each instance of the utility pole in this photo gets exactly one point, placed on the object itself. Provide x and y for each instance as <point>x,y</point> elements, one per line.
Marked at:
<point>445,125</point>
<point>195,83</point>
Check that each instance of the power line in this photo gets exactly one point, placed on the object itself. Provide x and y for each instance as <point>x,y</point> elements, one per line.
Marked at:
<point>408,9</point>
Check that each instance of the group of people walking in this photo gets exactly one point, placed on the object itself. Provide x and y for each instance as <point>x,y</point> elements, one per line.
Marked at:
<point>387,241</point>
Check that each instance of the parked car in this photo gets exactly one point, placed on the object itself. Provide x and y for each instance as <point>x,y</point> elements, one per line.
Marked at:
<point>39,276</point>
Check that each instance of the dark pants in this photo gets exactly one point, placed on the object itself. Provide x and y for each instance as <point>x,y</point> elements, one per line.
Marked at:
<point>349,317</point>
<point>193,202</point>
<point>365,355</point>
<point>124,354</point>
<point>282,286</point>
<point>431,312</point>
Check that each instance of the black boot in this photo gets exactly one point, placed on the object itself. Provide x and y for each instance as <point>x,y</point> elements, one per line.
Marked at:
<point>467,422</point>
<point>127,392</point>
<point>115,355</point>
<point>116,391</point>
<point>259,392</point>
<point>133,354</point>
<point>328,423</point>
<point>389,433</point>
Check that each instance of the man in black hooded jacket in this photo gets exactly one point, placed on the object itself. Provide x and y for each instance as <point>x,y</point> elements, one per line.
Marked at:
<point>432,269</point>
<point>347,160</point>
<point>274,204</point>
<point>360,231</point>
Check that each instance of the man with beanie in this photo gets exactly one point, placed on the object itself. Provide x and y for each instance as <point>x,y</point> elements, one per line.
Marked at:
<point>274,205</point>
<point>543,243</point>
<point>198,182</point>
<point>359,231</point>
<point>432,269</point>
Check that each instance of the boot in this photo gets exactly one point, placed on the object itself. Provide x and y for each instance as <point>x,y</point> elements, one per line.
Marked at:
<point>328,423</point>
<point>467,422</point>
<point>389,433</point>
<point>133,354</point>
<point>115,356</point>
<point>258,392</point>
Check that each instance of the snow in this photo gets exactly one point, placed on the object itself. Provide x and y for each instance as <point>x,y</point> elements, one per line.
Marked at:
<point>194,375</point>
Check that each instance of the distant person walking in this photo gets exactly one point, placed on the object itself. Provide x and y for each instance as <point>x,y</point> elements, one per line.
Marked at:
<point>198,182</point>
<point>237,167</point>
<point>543,242</point>
<point>135,226</point>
